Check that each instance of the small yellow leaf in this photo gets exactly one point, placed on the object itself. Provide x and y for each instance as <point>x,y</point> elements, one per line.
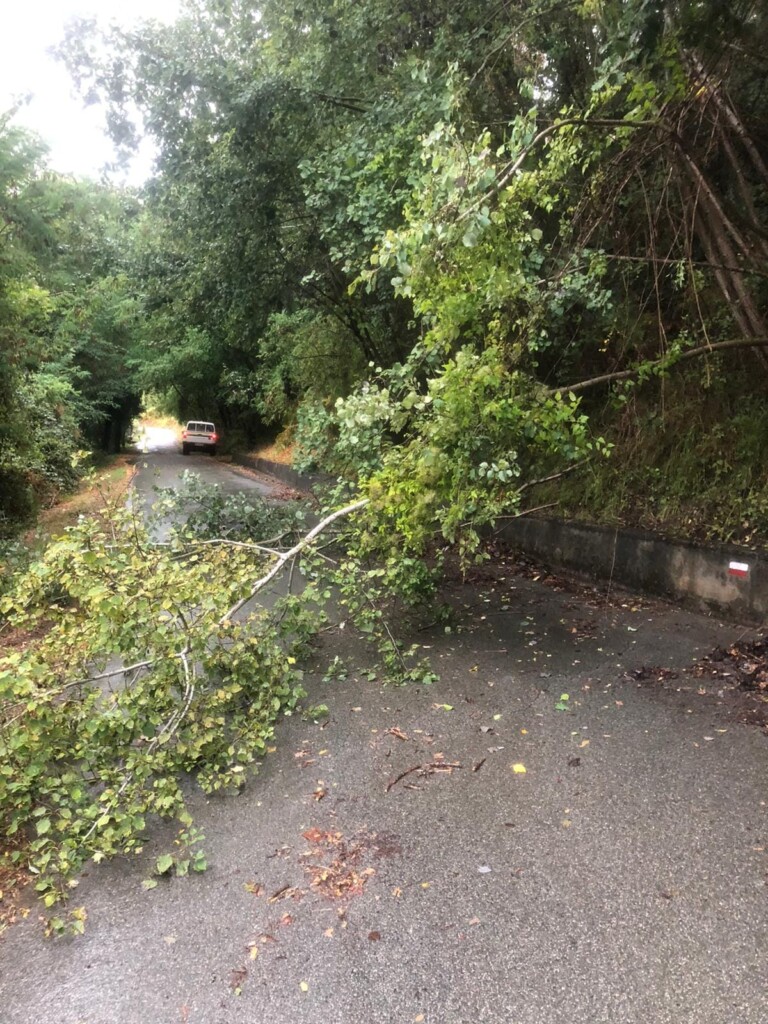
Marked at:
<point>584,743</point>
<point>304,986</point>
<point>254,951</point>
<point>524,732</point>
<point>425,885</point>
<point>519,769</point>
<point>328,933</point>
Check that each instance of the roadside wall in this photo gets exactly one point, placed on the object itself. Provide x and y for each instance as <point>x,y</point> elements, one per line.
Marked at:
<point>726,580</point>
<point>301,481</point>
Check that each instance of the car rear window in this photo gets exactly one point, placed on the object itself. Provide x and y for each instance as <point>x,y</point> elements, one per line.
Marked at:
<point>200,428</point>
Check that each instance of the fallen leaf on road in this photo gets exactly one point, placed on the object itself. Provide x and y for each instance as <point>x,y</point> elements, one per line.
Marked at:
<point>236,979</point>
<point>397,733</point>
<point>254,888</point>
<point>443,707</point>
<point>584,743</point>
<point>374,936</point>
<point>328,933</point>
<point>285,893</point>
<point>169,939</point>
<point>519,769</point>
<point>304,986</point>
<point>574,762</point>
<point>484,869</point>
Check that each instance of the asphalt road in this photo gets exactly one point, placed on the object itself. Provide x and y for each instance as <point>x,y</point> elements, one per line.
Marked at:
<point>620,879</point>
<point>161,464</point>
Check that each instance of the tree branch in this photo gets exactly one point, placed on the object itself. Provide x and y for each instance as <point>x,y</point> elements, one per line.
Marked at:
<point>286,556</point>
<point>691,353</point>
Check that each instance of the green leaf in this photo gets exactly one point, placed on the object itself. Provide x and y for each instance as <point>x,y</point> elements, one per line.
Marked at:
<point>164,863</point>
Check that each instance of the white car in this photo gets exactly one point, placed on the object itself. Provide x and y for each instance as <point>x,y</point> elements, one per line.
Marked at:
<point>199,434</point>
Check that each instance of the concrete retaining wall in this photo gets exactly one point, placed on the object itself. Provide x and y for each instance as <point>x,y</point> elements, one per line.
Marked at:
<point>726,580</point>
<point>729,581</point>
<point>301,481</point>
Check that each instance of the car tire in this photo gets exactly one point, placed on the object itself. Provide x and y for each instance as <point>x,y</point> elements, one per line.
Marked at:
<point>185,449</point>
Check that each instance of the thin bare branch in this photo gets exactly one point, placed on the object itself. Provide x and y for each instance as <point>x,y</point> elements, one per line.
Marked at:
<point>691,353</point>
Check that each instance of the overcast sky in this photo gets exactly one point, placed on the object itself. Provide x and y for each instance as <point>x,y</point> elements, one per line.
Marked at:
<point>74,135</point>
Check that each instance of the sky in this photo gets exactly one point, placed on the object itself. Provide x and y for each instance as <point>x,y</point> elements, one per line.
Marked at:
<point>74,134</point>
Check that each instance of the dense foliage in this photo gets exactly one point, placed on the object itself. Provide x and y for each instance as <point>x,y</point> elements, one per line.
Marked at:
<point>68,321</point>
<point>358,206</point>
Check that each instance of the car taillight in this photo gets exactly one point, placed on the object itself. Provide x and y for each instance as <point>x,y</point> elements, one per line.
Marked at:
<point>214,437</point>
<point>183,433</point>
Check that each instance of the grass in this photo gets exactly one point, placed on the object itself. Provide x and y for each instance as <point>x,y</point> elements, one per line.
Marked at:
<point>275,451</point>
<point>108,481</point>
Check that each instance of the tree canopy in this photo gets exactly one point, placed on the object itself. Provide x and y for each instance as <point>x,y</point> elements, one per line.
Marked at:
<point>68,320</point>
<point>357,204</point>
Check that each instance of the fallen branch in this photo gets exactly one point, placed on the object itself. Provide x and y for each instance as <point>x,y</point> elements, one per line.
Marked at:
<point>402,775</point>
<point>286,556</point>
<point>429,769</point>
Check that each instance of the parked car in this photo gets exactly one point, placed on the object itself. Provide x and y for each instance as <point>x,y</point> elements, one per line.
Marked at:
<point>199,434</point>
